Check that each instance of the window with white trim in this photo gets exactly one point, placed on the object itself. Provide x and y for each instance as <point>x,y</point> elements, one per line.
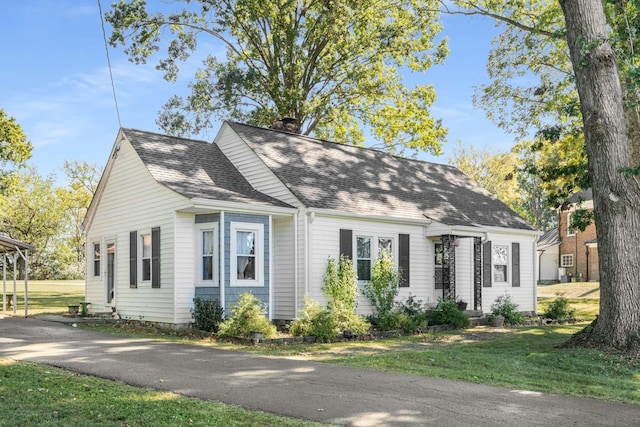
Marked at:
<point>247,254</point>
<point>96,259</point>
<point>207,236</point>
<point>367,250</point>
<point>363,257</point>
<point>570,230</point>
<point>145,244</point>
<point>500,263</point>
<point>566,260</point>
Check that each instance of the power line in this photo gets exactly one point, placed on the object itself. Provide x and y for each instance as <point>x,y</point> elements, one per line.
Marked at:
<point>106,48</point>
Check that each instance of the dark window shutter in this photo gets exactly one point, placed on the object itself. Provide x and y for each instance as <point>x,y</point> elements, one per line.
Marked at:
<point>403,259</point>
<point>515,264</point>
<point>133,259</point>
<point>155,257</point>
<point>486,264</point>
<point>346,243</point>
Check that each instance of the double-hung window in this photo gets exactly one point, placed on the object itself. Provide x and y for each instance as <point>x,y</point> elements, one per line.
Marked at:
<point>367,249</point>
<point>207,256</point>
<point>363,257</point>
<point>96,259</point>
<point>500,263</point>
<point>570,230</point>
<point>247,254</point>
<point>144,257</point>
<point>145,244</point>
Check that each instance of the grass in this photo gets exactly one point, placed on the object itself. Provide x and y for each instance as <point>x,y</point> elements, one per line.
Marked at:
<point>32,394</point>
<point>47,296</point>
<point>584,297</point>
<point>525,358</point>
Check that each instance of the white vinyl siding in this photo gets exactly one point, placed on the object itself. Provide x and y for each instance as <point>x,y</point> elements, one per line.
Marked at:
<point>325,242</point>
<point>523,295</point>
<point>131,200</point>
<point>283,286</point>
<point>249,164</point>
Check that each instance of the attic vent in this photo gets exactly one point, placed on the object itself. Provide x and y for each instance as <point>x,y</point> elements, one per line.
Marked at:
<point>287,124</point>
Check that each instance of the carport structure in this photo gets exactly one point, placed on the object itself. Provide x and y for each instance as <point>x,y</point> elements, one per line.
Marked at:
<point>10,251</point>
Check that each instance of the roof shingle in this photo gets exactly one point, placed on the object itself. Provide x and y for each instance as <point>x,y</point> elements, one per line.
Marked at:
<point>194,169</point>
<point>328,175</point>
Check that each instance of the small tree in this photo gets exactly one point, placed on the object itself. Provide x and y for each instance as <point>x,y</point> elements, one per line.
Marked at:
<point>382,289</point>
<point>340,282</point>
<point>207,314</point>
<point>248,315</point>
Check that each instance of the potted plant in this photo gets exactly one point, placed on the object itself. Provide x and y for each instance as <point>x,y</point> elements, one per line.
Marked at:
<point>496,320</point>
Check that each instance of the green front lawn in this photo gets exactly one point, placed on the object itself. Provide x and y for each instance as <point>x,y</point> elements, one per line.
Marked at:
<point>36,395</point>
<point>46,296</point>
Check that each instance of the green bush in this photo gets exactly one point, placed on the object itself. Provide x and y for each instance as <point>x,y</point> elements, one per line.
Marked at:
<point>207,314</point>
<point>448,313</point>
<point>559,309</point>
<point>398,319</point>
<point>248,315</point>
<point>327,324</point>
<point>303,325</point>
<point>503,306</point>
<point>340,283</point>
<point>382,289</point>
<point>412,306</point>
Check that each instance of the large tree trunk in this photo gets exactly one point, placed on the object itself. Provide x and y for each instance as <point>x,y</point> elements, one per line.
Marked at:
<point>616,197</point>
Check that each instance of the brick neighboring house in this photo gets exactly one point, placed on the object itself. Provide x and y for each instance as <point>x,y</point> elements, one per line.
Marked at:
<point>578,250</point>
<point>566,254</point>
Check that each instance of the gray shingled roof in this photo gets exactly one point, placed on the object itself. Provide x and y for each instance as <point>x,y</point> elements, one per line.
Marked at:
<point>194,169</point>
<point>551,237</point>
<point>581,196</point>
<point>327,175</point>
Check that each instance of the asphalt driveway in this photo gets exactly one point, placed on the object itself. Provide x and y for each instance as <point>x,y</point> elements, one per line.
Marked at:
<point>301,389</point>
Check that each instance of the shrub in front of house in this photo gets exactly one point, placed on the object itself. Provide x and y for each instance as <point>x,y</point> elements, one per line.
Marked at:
<point>340,282</point>
<point>207,314</point>
<point>505,307</point>
<point>327,323</point>
<point>448,313</point>
<point>382,289</point>
<point>247,315</point>
<point>559,309</point>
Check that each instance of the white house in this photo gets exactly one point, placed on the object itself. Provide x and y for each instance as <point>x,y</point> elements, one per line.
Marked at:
<point>261,210</point>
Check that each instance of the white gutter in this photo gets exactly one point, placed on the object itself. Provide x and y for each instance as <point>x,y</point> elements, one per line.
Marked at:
<point>200,203</point>
<point>380,218</point>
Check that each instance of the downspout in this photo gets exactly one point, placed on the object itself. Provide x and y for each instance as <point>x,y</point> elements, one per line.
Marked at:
<point>295,264</point>
<point>271,272</point>
<point>306,254</point>
<point>173,267</point>
<point>222,281</point>
<point>535,279</point>
<point>587,266</point>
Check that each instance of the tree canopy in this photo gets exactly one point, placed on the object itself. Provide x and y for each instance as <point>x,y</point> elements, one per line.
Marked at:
<point>532,84</point>
<point>335,66</point>
<point>15,149</point>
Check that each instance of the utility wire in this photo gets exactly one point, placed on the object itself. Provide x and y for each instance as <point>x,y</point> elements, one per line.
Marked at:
<point>106,48</point>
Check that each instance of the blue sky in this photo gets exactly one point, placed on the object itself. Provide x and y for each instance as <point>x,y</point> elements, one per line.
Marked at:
<point>55,82</point>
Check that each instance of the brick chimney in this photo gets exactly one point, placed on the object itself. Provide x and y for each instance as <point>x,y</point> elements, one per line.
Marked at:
<point>287,124</point>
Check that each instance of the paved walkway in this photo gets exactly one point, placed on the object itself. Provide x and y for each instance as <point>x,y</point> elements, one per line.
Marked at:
<point>315,391</point>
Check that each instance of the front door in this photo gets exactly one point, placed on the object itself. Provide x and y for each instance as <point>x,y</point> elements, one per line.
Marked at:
<point>111,261</point>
